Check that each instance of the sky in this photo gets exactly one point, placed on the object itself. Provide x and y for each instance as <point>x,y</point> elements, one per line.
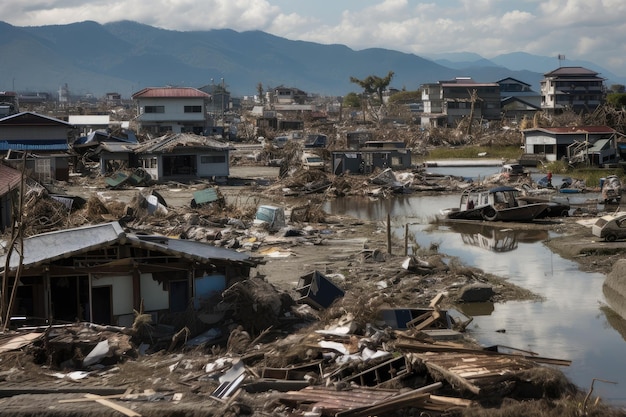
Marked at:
<point>588,30</point>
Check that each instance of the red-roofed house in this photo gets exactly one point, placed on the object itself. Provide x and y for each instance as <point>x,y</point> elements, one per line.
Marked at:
<point>171,109</point>
<point>9,183</point>
<point>599,143</point>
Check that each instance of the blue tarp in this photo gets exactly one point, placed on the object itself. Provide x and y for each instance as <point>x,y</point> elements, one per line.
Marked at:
<point>34,145</point>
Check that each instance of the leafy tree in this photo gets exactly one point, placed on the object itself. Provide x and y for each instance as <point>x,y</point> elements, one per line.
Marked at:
<point>373,84</point>
<point>618,88</point>
<point>406,97</point>
<point>616,99</point>
<point>352,100</point>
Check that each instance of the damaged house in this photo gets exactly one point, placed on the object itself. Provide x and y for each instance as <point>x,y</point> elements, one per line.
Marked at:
<point>180,156</point>
<point>372,155</point>
<point>595,145</point>
<point>102,274</point>
<point>9,185</point>
<point>45,139</point>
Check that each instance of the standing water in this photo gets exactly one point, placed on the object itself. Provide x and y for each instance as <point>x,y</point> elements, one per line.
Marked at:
<point>572,322</point>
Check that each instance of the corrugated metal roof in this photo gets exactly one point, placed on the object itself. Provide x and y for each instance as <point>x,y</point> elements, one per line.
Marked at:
<point>28,118</point>
<point>170,92</point>
<point>34,145</point>
<point>193,249</point>
<point>9,179</point>
<point>573,129</point>
<point>600,144</point>
<point>188,140</point>
<point>62,244</point>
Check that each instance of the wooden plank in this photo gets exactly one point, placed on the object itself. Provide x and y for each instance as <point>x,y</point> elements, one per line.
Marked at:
<point>18,342</point>
<point>418,395</point>
<point>82,400</point>
<point>332,399</point>
<point>435,301</point>
<point>451,400</point>
<point>434,316</point>
<point>454,379</point>
<point>421,317</point>
<point>126,411</point>
<point>416,346</point>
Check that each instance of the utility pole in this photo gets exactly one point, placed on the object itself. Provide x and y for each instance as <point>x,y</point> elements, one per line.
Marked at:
<point>223,93</point>
<point>473,98</point>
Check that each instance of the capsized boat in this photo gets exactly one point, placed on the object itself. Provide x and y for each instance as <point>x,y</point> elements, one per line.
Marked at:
<point>495,204</point>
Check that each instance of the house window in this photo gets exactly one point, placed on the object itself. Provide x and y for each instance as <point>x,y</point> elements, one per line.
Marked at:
<point>154,109</point>
<point>149,163</point>
<point>543,149</point>
<point>212,159</point>
<point>193,109</point>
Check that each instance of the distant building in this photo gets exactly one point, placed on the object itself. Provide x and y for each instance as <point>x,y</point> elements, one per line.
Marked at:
<point>113,98</point>
<point>448,102</point>
<point>288,95</point>
<point>518,99</point>
<point>8,103</point>
<point>33,98</point>
<point>171,109</point>
<point>574,88</point>
<point>556,143</point>
<point>46,140</point>
<point>64,94</point>
<point>219,99</point>
<point>88,123</point>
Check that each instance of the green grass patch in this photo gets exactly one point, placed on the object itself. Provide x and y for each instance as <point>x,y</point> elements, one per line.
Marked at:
<point>591,175</point>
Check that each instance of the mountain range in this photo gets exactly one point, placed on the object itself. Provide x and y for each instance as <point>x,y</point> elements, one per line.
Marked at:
<point>126,56</point>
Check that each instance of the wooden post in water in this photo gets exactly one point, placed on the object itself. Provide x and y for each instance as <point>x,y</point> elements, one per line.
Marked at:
<point>388,233</point>
<point>406,239</point>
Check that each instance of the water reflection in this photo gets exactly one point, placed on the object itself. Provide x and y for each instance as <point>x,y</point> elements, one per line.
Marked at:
<point>477,309</point>
<point>495,238</point>
<point>616,311</point>
<point>569,324</point>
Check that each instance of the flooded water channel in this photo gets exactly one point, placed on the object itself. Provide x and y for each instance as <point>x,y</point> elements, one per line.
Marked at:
<point>572,322</point>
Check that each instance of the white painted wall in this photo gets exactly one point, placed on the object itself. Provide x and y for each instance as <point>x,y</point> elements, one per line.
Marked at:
<point>212,169</point>
<point>122,292</point>
<point>153,295</point>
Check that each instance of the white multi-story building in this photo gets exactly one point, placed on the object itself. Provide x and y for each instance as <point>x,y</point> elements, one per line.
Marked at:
<point>171,109</point>
<point>575,88</point>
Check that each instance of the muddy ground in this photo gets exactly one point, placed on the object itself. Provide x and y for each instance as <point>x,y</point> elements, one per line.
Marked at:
<point>354,252</point>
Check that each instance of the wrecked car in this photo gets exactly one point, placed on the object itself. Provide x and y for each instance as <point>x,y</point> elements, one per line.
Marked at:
<point>270,217</point>
<point>610,227</point>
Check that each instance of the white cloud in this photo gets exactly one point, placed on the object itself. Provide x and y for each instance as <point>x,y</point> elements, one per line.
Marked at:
<point>581,29</point>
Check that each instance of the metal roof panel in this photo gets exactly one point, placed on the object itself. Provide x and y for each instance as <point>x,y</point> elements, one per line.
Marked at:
<point>47,247</point>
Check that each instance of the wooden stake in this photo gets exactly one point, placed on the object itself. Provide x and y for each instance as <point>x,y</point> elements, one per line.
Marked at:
<point>388,233</point>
